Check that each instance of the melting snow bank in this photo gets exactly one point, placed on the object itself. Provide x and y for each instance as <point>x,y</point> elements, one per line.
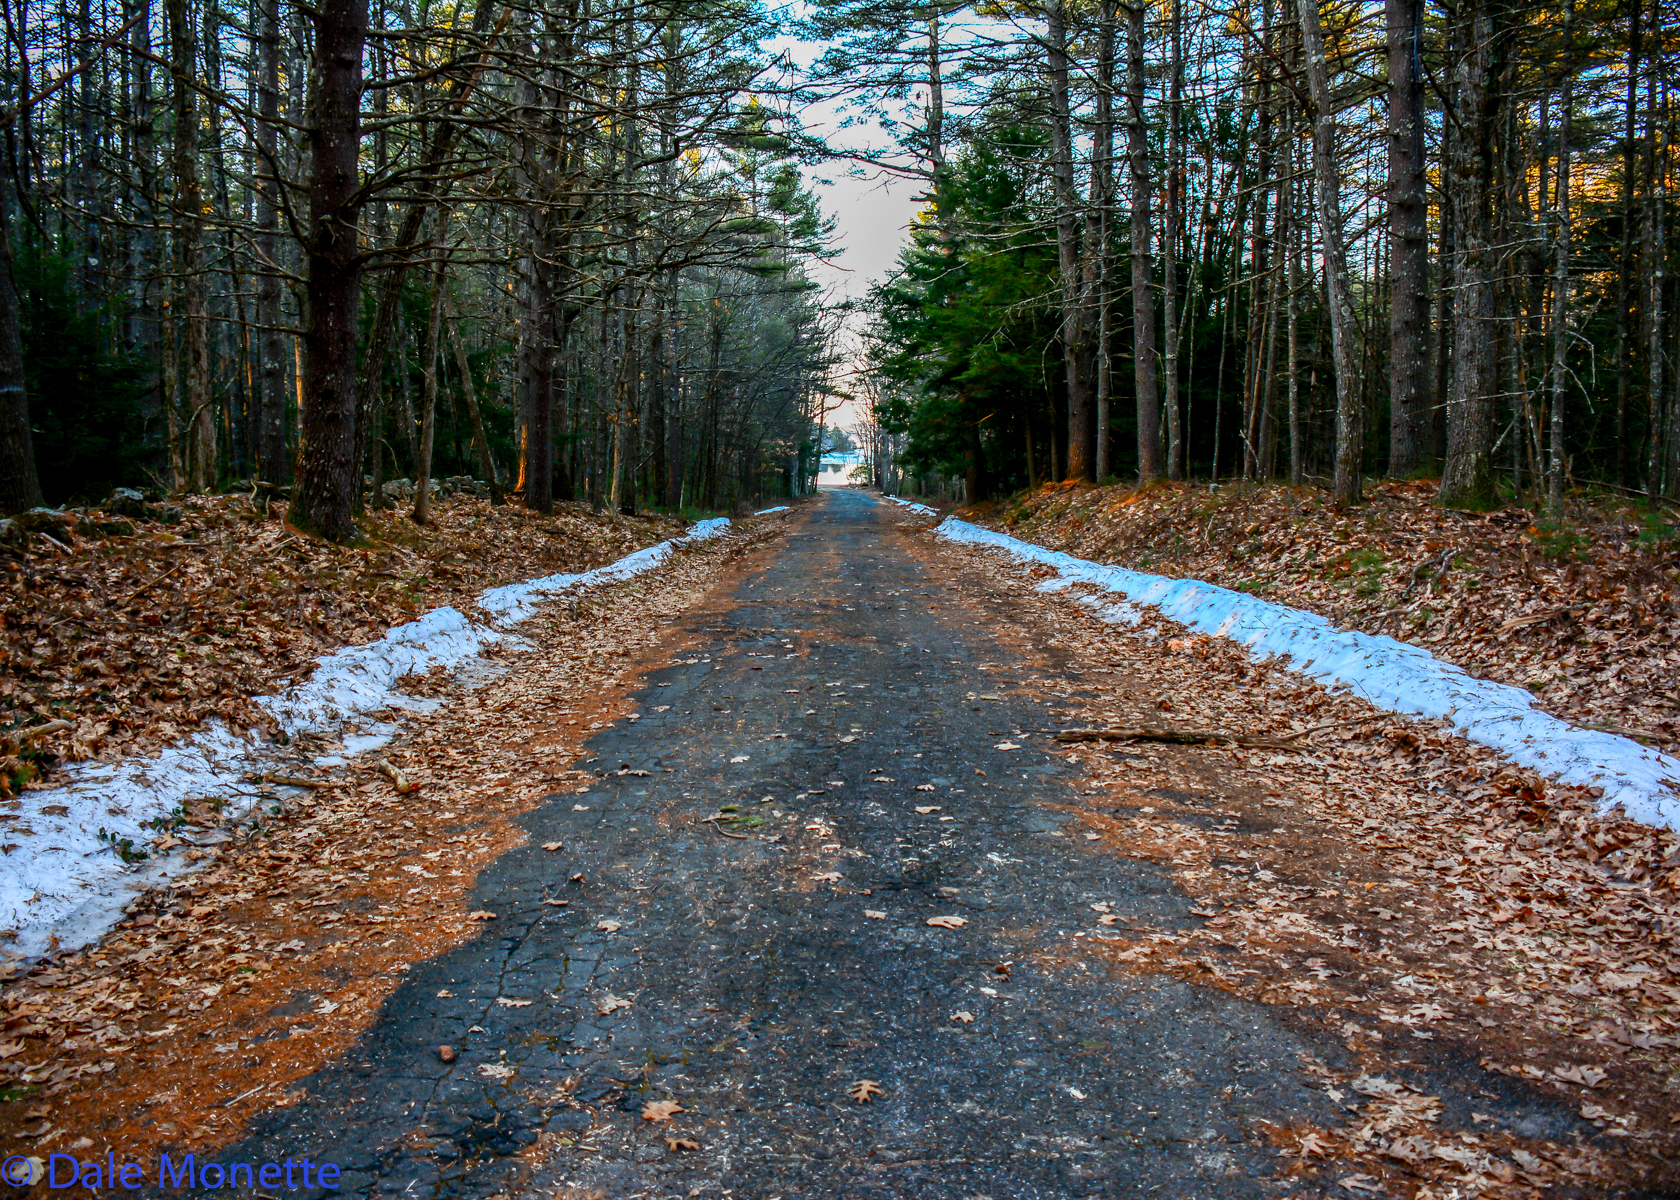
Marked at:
<point>764,512</point>
<point>1391,675</point>
<point>64,879</point>
<point>914,507</point>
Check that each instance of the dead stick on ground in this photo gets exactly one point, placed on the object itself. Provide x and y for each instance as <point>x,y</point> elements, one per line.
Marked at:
<point>150,584</point>
<point>720,829</point>
<point>298,781</point>
<point>18,740</point>
<point>403,784</point>
<point>1290,737</point>
<point>1187,737</point>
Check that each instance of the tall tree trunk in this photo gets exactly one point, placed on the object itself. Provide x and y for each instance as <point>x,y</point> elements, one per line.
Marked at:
<point>328,469</point>
<point>428,398</point>
<point>1169,245</point>
<point>1143,267</point>
<point>20,486</point>
<point>1081,439</point>
<point>1292,370</point>
<point>1560,277</point>
<point>1624,261</point>
<point>196,452</point>
<point>271,356</point>
<point>1467,477</point>
<point>1350,438</point>
<point>1658,482</point>
<point>469,391</point>
<point>1408,239</point>
<point>1102,195</point>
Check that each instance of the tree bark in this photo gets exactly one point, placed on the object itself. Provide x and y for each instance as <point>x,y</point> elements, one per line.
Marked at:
<point>1143,266</point>
<point>428,399</point>
<point>271,373</point>
<point>20,486</point>
<point>328,467</point>
<point>1467,477</point>
<point>1560,277</point>
<point>469,391</point>
<point>1408,239</point>
<point>1350,439</point>
<point>1169,246</point>
<point>195,450</point>
<point>1081,440</point>
<point>1624,268</point>
<point>1102,189</point>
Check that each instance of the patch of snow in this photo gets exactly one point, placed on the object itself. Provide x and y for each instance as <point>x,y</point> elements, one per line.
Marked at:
<point>1389,674</point>
<point>764,512</point>
<point>64,882</point>
<point>915,507</point>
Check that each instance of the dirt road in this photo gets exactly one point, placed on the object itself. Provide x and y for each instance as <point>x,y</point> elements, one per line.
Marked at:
<point>763,877</point>
<point>835,846</point>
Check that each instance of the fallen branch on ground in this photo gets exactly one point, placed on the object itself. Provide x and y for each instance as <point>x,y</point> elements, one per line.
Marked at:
<point>11,743</point>
<point>402,783</point>
<point>1185,737</point>
<point>720,829</point>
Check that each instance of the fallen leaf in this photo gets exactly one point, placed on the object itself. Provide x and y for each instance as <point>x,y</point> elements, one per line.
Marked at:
<point>874,914</point>
<point>495,1070</point>
<point>608,925</point>
<point>507,1003</point>
<point>924,787</point>
<point>610,1003</point>
<point>481,915</point>
<point>966,1018</point>
<point>660,1110</point>
<point>863,1090</point>
<point>925,809</point>
<point>675,1144</point>
<point>1006,746</point>
<point>551,845</point>
<point>947,922</point>
<point>1584,1075</point>
<point>827,876</point>
<point>1313,1145</point>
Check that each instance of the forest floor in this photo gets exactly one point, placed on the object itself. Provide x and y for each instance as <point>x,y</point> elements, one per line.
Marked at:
<point>138,626</point>
<point>1583,611</point>
<point>782,818</point>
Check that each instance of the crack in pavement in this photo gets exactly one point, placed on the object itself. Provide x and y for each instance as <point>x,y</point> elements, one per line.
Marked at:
<point>864,706</point>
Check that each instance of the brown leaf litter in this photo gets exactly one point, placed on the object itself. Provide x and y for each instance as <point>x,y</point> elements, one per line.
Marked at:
<point>138,630</point>
<point>220,992</point>
<point>1394,883</point>
<point>1583,612</point>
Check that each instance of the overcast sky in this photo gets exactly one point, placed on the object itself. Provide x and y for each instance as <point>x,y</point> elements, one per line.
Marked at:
<point>873,211</point>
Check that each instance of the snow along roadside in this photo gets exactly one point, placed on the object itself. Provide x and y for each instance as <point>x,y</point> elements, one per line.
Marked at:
<point>64,881</point>
<point>1391,675</point>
